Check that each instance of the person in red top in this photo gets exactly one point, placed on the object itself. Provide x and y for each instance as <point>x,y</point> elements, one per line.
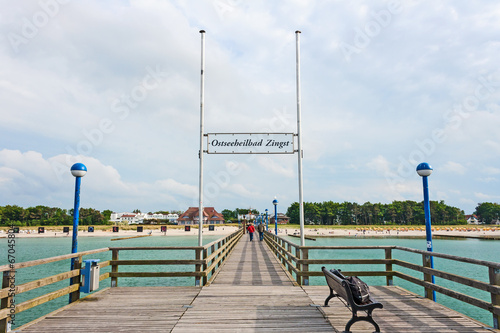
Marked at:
<point>251,230</point>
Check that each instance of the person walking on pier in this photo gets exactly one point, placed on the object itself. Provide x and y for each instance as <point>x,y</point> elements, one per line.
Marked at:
<point>251,230</point>
<point>260,229</point>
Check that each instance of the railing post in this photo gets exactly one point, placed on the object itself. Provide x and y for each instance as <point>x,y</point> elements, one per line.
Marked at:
<point>198,254</point>
<point>218,256</point>
<point>114,268</point>
<point>8,276</point>
<point>75,295</point>
<point>224,253</point>
<point>388,267</point>
<point>305,267</point>
<point>204,267</point>
<point>495,299</point>
<point>299,266</point>
<point>427,277</point>
<point>282,250</point>
<point>289,249</point>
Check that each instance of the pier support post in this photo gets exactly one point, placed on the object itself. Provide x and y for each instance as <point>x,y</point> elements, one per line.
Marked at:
<point>114,269</point>
<point>495,299</point>
<point>75,295</point>
<point>388,267</point>
<point>204,266</point>
<point>299,266</point>
<point>427,262</point>
<point>283,254</point>
<point>197,268</point>
<point>305,267</point>
<point>8,276</point>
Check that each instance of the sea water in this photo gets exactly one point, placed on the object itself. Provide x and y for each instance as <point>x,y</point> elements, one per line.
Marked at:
<point>27,249</point>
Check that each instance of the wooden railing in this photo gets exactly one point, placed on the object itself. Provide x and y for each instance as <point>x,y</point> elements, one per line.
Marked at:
<point>295,259</point>
<point>207,260</point>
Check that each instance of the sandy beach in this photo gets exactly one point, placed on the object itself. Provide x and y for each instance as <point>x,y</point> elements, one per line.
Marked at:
<point>461,232</point>
<point>492,232</point>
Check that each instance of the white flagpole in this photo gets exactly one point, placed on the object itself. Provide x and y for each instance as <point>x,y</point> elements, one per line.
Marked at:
<point>202,101</point>
<point>299,142</point>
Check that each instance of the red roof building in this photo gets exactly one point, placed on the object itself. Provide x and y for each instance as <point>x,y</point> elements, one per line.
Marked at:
<point>282,219</point>
<point>192,216</point>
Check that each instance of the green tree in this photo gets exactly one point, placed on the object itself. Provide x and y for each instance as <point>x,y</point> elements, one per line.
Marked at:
<point>487,212</point>
<point>228,214</point>
<point>293,213</point>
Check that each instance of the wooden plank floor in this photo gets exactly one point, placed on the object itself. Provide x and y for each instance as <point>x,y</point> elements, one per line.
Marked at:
<point>121,309</point>
<point>251,293</point>
<point>252,263</point>
<point>403,312</point>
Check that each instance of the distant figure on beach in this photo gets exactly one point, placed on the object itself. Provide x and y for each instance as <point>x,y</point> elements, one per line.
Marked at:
<point>261,228</point>
<point>251,230</point>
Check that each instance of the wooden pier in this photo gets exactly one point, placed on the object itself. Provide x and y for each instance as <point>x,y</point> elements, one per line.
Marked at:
<point>251,292</point>
<point>243,286</point>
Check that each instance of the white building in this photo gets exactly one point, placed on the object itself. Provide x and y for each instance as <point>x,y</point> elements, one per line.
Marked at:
<point>138,218</point>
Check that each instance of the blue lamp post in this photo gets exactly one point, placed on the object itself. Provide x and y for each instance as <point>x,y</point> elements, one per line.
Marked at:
<point>424,170</point>
<point>275,203</point>
<point>78,170</point>
<point>267,221</point>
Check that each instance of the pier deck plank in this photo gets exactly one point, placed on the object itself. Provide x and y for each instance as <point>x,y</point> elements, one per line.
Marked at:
<point>403,312</point>
<point>251,293</point>
<point>122,309</point>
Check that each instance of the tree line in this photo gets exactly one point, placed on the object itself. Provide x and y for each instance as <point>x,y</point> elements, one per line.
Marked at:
<point>43,215</point>
<point>398,212</point>
<point>324,213</point>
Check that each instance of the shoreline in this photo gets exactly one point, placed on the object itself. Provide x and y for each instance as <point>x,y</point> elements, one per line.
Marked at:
<point>490,233</point>
<point>33,233</point>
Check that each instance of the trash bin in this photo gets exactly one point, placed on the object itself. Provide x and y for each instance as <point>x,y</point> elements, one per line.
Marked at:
<point>90,276</point>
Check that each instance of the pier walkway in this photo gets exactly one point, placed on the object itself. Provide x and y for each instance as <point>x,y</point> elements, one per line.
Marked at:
<point>251,293</point>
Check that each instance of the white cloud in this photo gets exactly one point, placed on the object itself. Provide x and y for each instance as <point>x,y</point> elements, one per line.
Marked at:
<point>454,167</point>
<point>486,197</point>
<point>366,122</point>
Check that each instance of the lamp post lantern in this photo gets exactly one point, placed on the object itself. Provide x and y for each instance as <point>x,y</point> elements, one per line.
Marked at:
<point>275,203</point>
<point>78,170</point>
<point>425,170</point>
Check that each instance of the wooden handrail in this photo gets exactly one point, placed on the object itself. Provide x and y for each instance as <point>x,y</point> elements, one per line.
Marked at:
<point>451,257</point>
<point>37,262</point>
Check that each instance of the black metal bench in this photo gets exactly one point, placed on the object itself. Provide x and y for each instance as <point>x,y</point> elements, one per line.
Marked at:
<point>340,288</point>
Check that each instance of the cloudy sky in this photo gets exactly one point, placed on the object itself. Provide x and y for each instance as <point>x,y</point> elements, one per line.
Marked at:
<point>116,85</point>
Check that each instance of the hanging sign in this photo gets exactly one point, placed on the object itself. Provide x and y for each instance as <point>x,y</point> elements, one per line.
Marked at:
<point>250,143</point>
